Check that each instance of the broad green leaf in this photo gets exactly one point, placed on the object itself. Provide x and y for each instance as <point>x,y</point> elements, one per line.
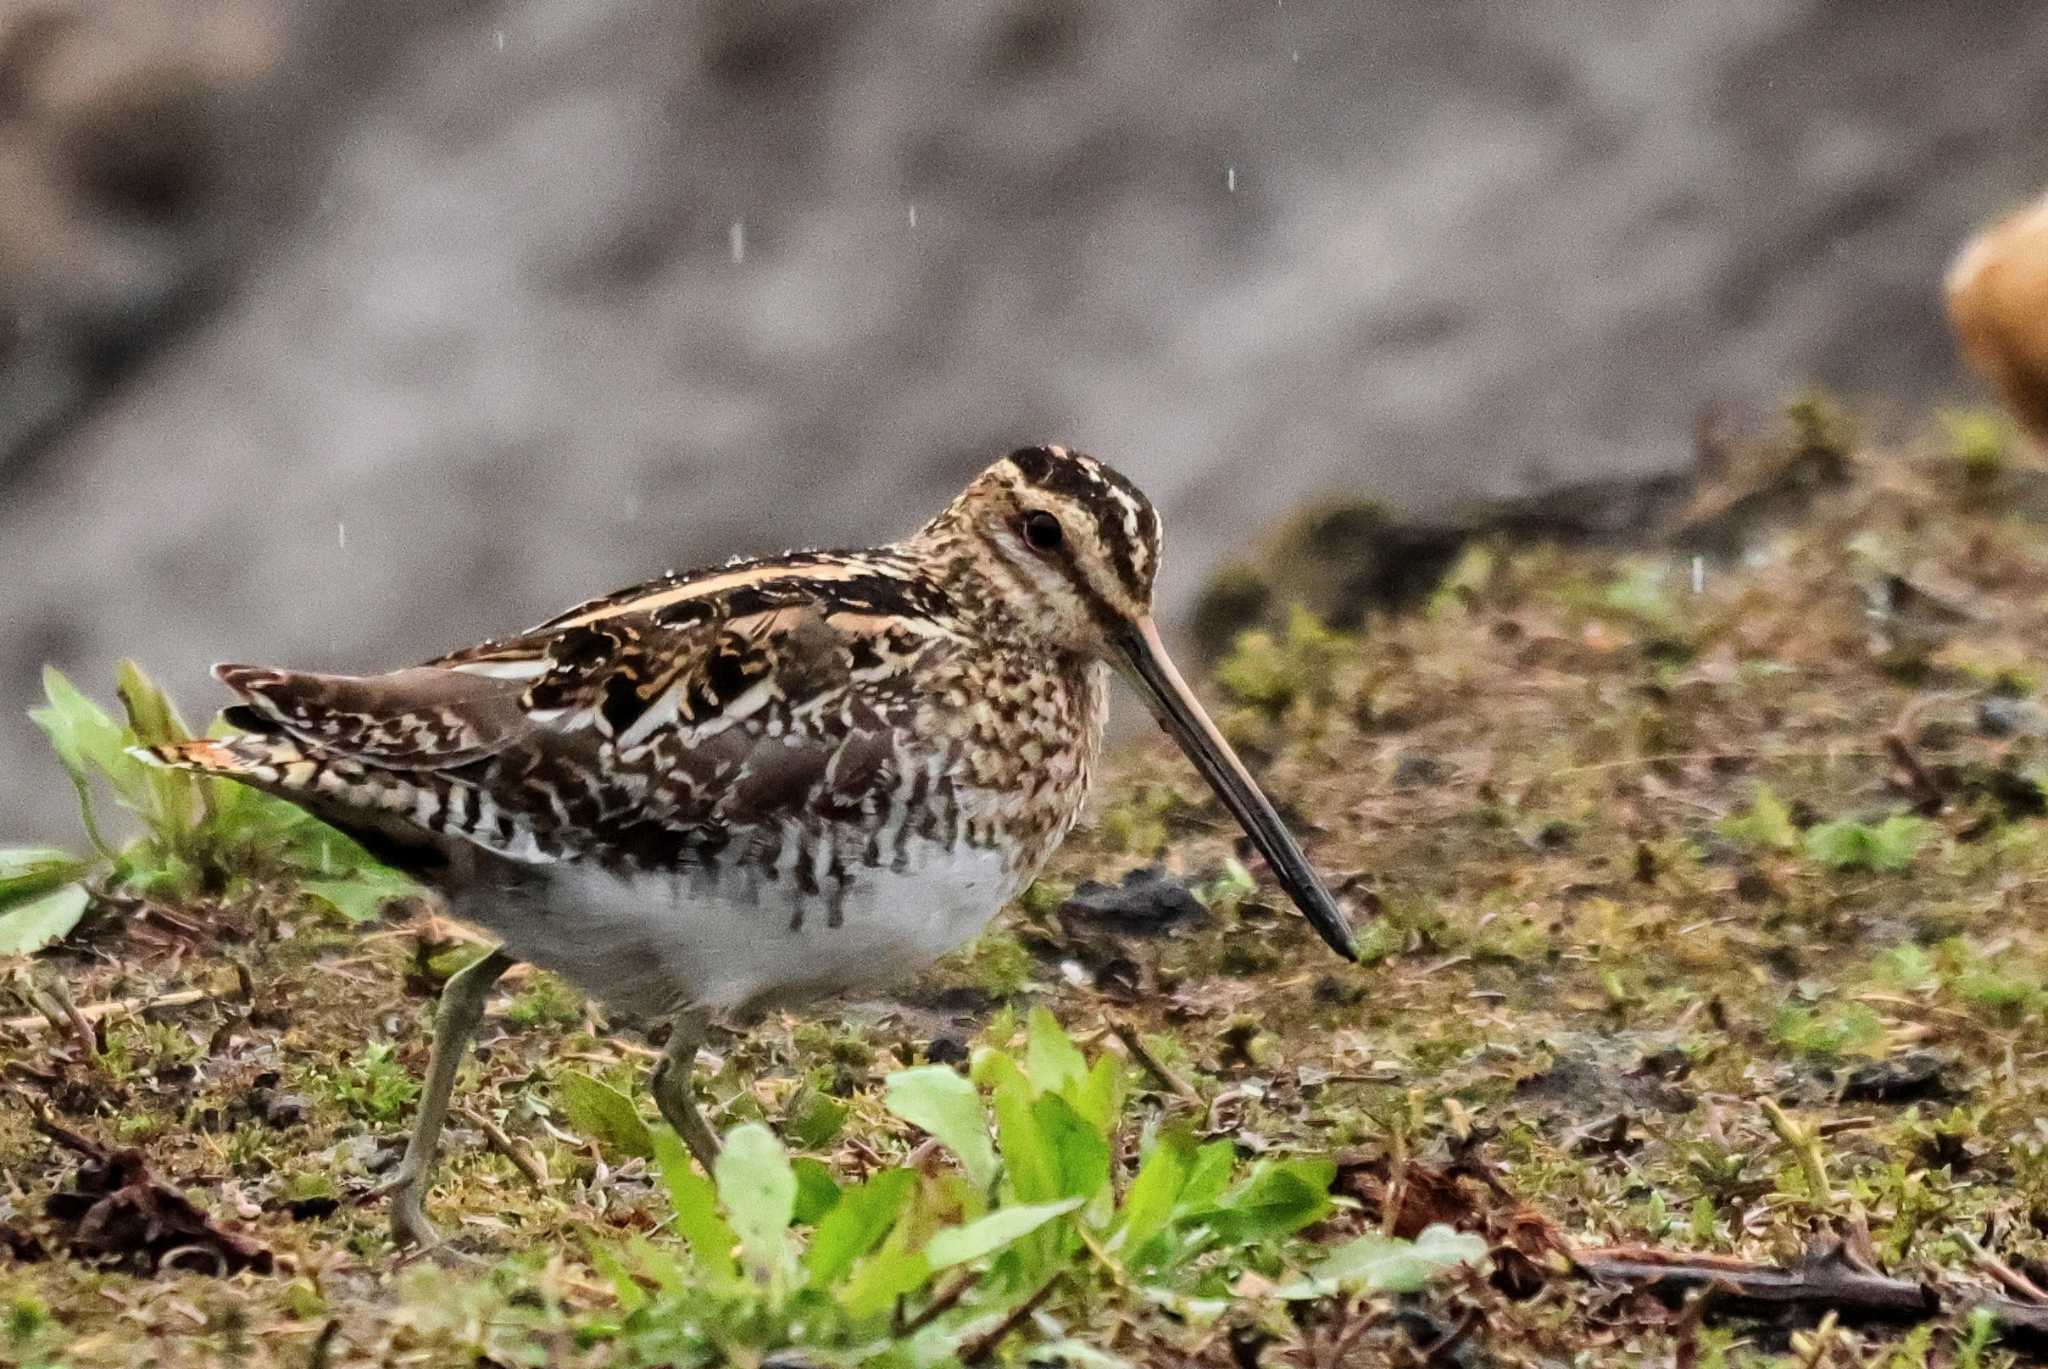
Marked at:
<point>861,1217</point>
<point>1079,1151</point>
<point>443,966</point>
<point>604,1114</point>
<point>1207,1178</point>
<point>816,1190</point>
<point>945,1104</point>
<point>154,867</point>
<point>30,871</point>
<point>85,736</point>
<point>32,925</point>
<point>758,1189</point>
<point>362,897</point>
<point>881,1279</point>
<point>86,740</point>
<point>311,844</point>
<point>696,1208</point>
<point>174,797</point>
<point>986,1235</point>
<point>1100,1098</point>
<point>1051,1059</point>
<point>814,1118</point>
<point>1385,1264</point>
<point>1278,1199</point>
<point>1148,1203</point>
<point>152,717</point>
<point>1030,1160</point>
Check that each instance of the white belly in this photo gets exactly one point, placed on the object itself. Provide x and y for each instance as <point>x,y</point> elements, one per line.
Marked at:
<point>651,944</point>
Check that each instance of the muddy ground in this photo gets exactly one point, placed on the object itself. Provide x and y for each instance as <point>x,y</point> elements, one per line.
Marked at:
<point>1703,900</point>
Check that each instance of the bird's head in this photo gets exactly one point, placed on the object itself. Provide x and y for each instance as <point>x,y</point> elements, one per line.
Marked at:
<point>1070,548</point>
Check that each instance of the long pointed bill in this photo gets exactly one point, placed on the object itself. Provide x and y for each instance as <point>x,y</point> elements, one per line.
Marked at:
<point>1147,665</point>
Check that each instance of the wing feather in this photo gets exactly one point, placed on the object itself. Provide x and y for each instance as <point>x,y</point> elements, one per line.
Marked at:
<point>656,725</point>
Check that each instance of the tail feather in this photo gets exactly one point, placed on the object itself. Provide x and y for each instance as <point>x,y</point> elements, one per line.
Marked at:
<point>396,813</point>
<point>255,758</point>
<point>425,718</point>
<point>388,814</point>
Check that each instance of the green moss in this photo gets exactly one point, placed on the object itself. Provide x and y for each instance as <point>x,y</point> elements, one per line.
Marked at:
<point>1889,845</point>
<point>1270,671</point>
<point>545,1000</point>
<point>998,963</point>
<point>1823,434</point>
<point>1042,898</point>
<point>375,1085</point>
<point>1980,441</point>
<point>1831,1033</point>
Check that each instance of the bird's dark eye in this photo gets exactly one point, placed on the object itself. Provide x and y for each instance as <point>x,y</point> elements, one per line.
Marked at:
<point>1043,531</point>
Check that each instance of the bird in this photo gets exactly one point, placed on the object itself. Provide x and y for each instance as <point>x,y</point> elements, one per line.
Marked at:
<point>1997,293</point>
<point>755,785</point>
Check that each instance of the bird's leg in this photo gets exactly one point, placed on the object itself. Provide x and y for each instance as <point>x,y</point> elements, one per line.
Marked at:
<point>462,1007</point>
<point>674,1093</point>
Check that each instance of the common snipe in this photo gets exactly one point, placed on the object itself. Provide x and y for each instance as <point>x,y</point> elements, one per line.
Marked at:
<point>758,784</point>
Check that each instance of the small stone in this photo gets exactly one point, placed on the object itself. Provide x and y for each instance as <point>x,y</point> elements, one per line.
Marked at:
<point>1901,1079</point>
<point>1413,768</point>
<point>312,1209</point>
<point>285,1109</point>
<point>2001,716</point>
<point>1147,902</point>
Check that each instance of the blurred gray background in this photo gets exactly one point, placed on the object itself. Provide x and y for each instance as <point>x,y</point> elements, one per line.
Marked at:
<point>336,332</point>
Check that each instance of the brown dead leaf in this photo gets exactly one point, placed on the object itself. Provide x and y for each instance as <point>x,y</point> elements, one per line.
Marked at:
<point>116,1211</point>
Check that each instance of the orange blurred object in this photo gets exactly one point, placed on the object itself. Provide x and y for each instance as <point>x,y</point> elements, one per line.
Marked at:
<point>1998,306</point>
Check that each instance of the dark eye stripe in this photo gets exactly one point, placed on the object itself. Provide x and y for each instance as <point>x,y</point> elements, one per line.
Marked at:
<point>1106,497</point>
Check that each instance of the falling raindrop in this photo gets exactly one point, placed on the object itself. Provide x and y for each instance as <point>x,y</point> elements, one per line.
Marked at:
<point>1230,179</point>
<point>499,39</point>
<point>737,237</point>
<point>913,216</point>
<point>341,535</point>
<point>1699,574</point>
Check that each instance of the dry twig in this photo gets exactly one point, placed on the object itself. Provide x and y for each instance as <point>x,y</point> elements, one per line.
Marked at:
<point>1153,1065</point>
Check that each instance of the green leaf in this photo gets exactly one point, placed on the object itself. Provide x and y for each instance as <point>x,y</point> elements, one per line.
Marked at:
<point>1850,845</point>
<point>817,1192</point>
<point>758,1188</point>
<point>86,739</point>
<point>1051,1059</point>
<point>1079,1151</point>
<point>1278,1199</point>
<point>986,1235</point>
<point>30,871</point>
<point>604,1114</point>
<point>1100,1098</point>
<point>1031,1161</point>
<point>1384,1264</point>
<point>362,897</point>
<point>945,1104</point>
<point>696,1208</point>
<point>861,1217</point>
<point>882,1278</point>
<point>174,797</point>
<point>1207,1178</point>
<point>42,919</point>
<point>152,717</point>
<point>814,1119</point>
<point>1766,826</point>
<point>1149,1202</point>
